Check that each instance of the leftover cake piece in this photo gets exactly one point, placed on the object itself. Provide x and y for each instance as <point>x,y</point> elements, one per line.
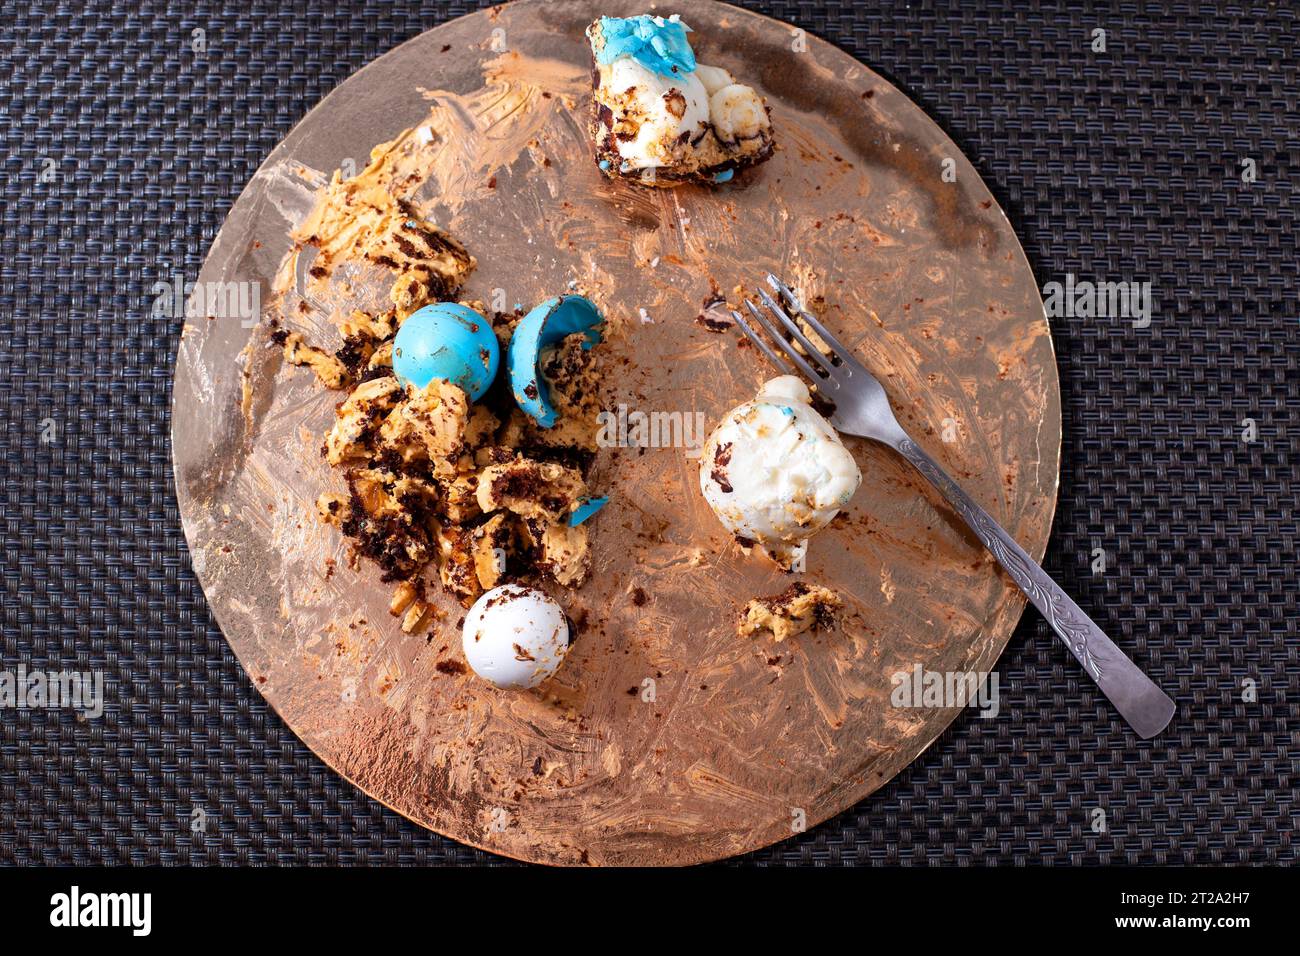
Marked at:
<point>332,509</point>
<point>456,568</point>
<point>560,548</point>
<point>358,416</point>
<point>429,426</point>
<point>435,480</point>
<point>491,546</point>
<point>572,375</point>
<point>530,488</point>
<point>798,608</point>
<point>660,117</point>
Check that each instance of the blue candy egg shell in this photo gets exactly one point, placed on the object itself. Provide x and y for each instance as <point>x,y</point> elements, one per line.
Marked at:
<point>447,341</point>
<point>547,324</point>
<point>587,507</point>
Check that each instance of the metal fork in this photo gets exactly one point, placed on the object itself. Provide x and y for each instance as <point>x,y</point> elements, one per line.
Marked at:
<point>862,409</point>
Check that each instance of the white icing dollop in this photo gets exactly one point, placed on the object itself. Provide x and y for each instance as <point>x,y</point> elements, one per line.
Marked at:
<point>665,107</point>
<point>737,113</point>
<point>713,78</point>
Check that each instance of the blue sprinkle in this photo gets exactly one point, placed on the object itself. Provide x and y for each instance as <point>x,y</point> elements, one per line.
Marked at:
<point>586,508</point>
<point>725,176</point>
<point>604,164</point>
<point>789,412</point>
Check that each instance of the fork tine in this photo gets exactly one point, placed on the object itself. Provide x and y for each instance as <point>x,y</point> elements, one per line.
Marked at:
<point>839,351</point>
<point>793,353</point>
<point>754,337</point>
<point>815,354</point>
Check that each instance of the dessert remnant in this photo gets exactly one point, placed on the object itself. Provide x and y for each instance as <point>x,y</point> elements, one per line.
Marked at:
<point>329,370</point>
<point>367,218</point>
<point>798,608</point>
<point>661,117</point>
<point>515,637</point>
<point>435,481</point>
<point>445,479</point>
<point>775,472</point>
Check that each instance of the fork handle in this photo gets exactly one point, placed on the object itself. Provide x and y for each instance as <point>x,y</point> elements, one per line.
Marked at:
<point>1145,706</point>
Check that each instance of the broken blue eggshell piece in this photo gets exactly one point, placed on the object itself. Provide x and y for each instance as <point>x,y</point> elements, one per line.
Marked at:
<point>548,324</point>
<point>448,341</point>
<point>585,508</point>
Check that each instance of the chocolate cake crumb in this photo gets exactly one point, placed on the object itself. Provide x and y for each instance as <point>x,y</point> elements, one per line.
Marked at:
<point>821,404</point>
<point>714,315</point>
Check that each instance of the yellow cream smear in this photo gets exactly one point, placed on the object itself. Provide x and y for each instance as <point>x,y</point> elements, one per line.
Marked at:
<point>799,608</point>
<point>367,218</point>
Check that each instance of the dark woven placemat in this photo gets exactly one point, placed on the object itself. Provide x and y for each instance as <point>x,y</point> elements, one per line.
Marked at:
<point>124,149</point>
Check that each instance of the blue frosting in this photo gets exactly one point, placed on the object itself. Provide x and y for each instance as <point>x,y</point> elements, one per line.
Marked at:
<point>657,44</point>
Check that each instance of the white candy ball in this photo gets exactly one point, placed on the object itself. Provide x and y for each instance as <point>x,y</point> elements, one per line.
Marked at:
<point>515,636</point>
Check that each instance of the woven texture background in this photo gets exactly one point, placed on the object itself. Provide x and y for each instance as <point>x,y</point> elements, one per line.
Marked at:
<point>124,149</point>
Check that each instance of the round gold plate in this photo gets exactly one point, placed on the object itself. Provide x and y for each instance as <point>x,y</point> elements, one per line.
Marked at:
<point>665,738</point>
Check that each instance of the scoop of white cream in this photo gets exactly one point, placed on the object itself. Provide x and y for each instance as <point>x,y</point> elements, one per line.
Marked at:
<point>775,472</point>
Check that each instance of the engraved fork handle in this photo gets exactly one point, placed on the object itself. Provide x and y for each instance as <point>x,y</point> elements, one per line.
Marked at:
<point>1145,706</point>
